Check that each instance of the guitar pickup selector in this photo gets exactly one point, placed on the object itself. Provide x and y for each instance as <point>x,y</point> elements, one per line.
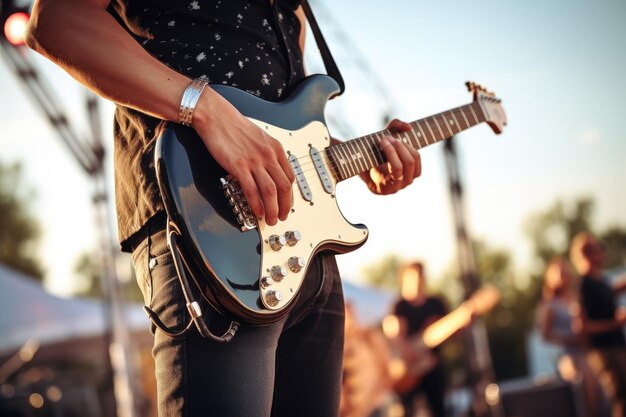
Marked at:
<point>266,282</point>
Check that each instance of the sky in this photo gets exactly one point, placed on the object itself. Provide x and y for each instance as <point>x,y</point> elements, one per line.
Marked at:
<point>558,67</point>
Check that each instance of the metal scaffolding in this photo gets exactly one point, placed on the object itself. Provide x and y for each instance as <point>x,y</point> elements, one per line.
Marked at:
<point>89,154</point>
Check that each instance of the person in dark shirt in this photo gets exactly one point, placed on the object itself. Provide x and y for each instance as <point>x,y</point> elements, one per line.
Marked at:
<point>154,59</point>
<point>602,321</point>
<point>416,310</point>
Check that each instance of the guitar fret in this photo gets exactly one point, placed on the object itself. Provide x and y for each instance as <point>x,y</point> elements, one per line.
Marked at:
<point>368,152</point>
<point>357,156</point>
<point>331,161</point>
<point>447,123</point>
<point>439,128</point>
<point>351,162</point>
<point>414,142</point>
<point>474,114</point>
<point>344,160</point>
<point>403,136</point>
<point>347,147</point>
<point>479,111</point>
<point>332,155</point>
<point>378,155</point>
<point>363,155</point>
<point>421,134</point>
<point>462,111</point>
<point>456,121</point>
<point>432,135</point>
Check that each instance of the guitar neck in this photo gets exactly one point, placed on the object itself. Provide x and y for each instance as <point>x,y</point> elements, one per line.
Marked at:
<point>361,154</point>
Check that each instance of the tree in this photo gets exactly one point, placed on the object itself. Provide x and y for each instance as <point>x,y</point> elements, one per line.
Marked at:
<point>384,273</point>
<point>19,230</point>
<point>551,231</point>
<point>89,267</point>
<point>615,240</point>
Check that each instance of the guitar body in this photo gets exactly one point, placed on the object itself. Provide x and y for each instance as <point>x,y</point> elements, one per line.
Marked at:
<point>239,269</point>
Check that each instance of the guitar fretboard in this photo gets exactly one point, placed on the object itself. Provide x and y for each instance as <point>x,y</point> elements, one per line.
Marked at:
<point>361,154</point>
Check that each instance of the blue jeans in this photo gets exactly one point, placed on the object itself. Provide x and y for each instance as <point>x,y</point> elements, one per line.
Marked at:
<point>291,368</point>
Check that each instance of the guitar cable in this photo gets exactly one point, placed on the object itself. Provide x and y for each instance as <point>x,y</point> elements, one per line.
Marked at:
<point>193,306</point>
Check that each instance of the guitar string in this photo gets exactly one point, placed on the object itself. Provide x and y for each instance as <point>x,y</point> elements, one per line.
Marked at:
<point>354,167</point>
<point>414,124</point>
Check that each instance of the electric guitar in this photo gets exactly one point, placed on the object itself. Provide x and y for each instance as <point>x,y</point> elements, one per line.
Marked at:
<point>412,357</point>
<point>243,267</point>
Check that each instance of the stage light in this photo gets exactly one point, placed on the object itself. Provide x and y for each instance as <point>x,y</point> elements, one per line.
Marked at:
<point>15,27</point>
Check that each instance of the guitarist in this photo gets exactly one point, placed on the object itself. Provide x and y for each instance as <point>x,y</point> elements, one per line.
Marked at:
<point>416,310</point>
<point>153,60</point>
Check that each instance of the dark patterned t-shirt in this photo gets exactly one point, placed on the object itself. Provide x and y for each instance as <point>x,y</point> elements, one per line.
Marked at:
<point>251,45</point>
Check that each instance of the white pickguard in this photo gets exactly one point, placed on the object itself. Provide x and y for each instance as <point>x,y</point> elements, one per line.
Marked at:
<point>319,221</point>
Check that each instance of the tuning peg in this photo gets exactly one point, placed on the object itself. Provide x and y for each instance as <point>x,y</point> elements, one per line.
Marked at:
<point>470,86</point>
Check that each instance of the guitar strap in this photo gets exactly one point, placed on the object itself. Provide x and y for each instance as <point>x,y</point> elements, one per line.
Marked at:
<point>329,62</point>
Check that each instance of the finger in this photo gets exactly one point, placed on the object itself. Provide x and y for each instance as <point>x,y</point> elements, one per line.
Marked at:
<point>399,125</point>
<point>408,163</point>
<point>251,193</point>
<point>389,147</point>
<point>371,184</point>
<point>267,190</point>
<point>281,158</point>
<point>418,162</point>
<point>284,191</point>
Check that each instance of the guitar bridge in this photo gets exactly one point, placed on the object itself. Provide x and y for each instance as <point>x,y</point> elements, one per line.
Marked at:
<point>246,219</point>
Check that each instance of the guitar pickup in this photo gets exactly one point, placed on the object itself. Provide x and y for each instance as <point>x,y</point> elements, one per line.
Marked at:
<point>321,170</point>
<point>246,219</point>
<point>303,185</point>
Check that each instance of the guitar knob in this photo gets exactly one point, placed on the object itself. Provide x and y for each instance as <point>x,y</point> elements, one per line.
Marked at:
<point>293,237</point>
<point>277,242</point>
<point>296,263</point>
<point>278,272</point>
<point>266,282</point>
<point>272,298</point>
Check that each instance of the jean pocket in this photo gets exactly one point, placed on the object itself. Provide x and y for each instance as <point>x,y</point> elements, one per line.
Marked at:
<point>328,273</point>
<point>141,260</point>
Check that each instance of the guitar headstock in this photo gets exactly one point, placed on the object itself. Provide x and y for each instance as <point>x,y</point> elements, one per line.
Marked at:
<point>490,105</point>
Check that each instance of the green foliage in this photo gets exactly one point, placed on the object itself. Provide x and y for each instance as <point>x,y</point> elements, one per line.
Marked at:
<point>19,231</point>
<point>615,240</point>
<point>89,267</point>
<point>552,230</point>
<point>384,273</point>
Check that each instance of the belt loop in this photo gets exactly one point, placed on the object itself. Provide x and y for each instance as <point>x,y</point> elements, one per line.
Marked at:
<point>151,258</point>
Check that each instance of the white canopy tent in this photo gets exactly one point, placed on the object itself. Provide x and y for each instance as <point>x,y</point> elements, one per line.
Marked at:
<point>29,312</point>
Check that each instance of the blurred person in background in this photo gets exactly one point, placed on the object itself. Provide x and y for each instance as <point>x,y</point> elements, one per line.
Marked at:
<point>601,319</point>
<point>560,324</point>
<point>417,310</point>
